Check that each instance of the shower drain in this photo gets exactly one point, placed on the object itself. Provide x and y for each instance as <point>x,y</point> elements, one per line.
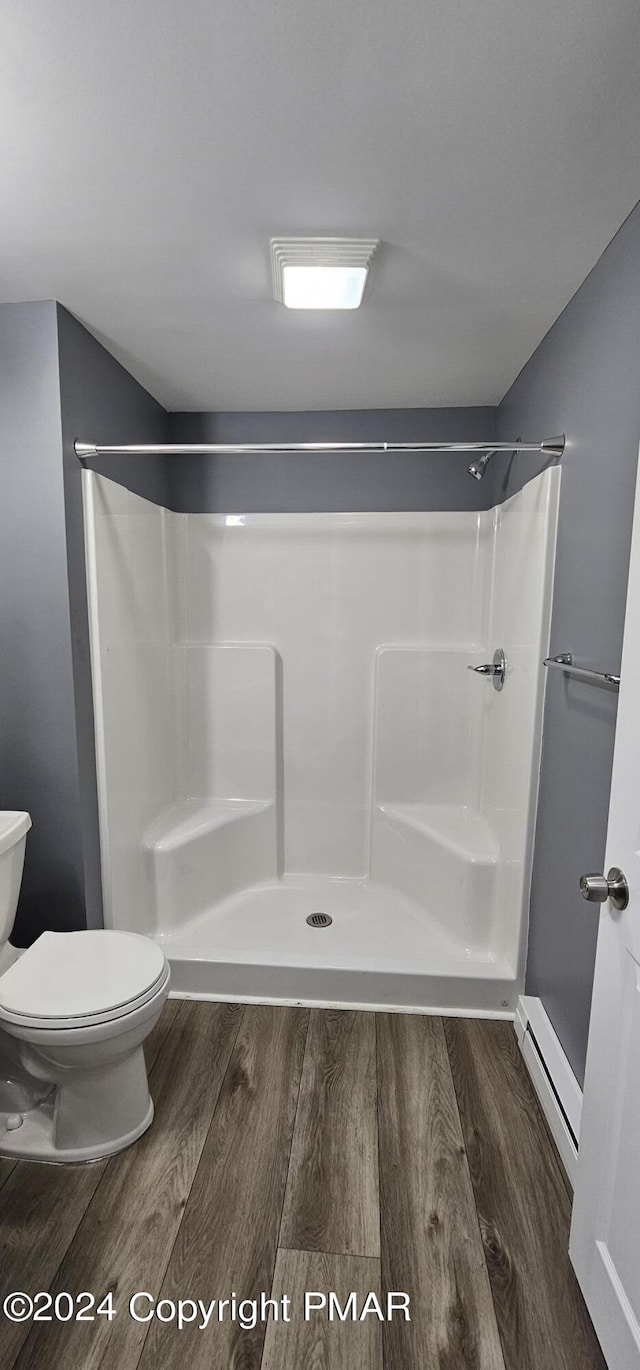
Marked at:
<point>319,920</point>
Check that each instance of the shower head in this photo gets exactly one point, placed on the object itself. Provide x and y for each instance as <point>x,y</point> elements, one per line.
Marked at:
<point>477,468</point>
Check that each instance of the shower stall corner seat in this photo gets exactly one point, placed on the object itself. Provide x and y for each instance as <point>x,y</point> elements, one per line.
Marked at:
<point>444,856</point>
<point>200,851</point>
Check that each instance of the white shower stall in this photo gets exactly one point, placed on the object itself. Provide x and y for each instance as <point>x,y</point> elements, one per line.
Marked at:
<point>286,725</point>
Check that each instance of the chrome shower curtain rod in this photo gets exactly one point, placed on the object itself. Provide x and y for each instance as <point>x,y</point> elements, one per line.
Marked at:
<point>551,447</point>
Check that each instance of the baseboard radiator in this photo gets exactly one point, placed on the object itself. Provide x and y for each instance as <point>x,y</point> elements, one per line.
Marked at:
<point>552,1078</point>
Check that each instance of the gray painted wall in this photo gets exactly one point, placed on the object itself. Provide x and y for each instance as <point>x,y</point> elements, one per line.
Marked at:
<point>583,380</point>
<point>38,766</point>
<point>56,383</point>
<point>341,481</point>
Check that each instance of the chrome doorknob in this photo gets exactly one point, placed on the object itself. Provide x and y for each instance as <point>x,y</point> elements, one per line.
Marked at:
<point>598,888</point>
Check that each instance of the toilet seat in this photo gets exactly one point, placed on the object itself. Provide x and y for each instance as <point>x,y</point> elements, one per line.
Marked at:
<point>79,979</point>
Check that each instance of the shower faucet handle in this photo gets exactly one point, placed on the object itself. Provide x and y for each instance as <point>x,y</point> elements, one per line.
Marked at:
<point>496,669</point>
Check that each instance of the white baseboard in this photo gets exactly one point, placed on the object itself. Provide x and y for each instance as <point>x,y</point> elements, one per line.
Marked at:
<point>552,1078</point>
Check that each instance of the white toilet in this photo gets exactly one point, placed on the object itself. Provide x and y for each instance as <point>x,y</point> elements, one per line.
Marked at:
<point>75,1009</point>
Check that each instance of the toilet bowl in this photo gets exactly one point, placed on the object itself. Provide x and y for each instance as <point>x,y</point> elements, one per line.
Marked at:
<point>75,1009</point>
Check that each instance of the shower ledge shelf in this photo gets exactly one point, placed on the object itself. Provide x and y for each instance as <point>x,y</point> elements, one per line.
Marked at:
<point>188,819</point>
<point>458,829</point>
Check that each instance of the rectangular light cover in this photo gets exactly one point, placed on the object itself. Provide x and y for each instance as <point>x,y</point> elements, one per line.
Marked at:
<point>321,273</point>
<point>323,287</point>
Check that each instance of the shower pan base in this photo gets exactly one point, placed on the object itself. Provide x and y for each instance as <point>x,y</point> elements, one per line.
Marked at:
<point>381,950</point>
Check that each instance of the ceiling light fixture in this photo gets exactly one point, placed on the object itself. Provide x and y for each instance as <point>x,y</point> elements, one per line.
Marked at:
<point>321,273</point>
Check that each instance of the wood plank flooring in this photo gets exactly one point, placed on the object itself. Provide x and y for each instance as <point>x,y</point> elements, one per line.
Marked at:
<point>331,1203</point>
<point>523,1203</point>
<point>312,1152</point>
<point>229,1233</point>
<point>340,1345</point>
<point>430,1235</point>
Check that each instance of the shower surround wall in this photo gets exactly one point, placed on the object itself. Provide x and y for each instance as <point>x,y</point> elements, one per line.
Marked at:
<point>285,724</point>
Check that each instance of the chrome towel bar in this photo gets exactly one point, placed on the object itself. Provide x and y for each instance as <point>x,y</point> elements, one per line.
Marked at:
<point>564,662</point>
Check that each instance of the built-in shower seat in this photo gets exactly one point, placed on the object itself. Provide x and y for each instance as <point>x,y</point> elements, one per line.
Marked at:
<point>444,856</point>
<point>199,851</point>
<point>459,829</point>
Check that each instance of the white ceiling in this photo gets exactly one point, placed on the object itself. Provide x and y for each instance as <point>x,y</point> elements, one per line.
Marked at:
<point>150,149</point>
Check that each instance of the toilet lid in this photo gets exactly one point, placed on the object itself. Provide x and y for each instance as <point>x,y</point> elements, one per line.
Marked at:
<point>80,974</point>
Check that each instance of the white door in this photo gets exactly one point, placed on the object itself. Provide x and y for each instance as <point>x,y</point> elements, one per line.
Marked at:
<point>605,1230</point>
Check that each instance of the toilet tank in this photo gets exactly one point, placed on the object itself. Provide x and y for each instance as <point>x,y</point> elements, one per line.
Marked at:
<point>14,827</point>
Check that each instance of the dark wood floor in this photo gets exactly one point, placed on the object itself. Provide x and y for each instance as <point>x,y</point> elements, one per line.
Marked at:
<point>319,1151</point>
